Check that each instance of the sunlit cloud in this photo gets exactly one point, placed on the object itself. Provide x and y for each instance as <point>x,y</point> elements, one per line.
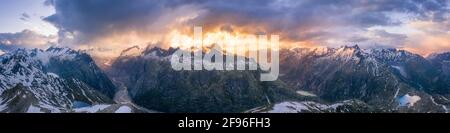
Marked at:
<point>420,26</point>
<point>25,39</point>
<point>432,37</point>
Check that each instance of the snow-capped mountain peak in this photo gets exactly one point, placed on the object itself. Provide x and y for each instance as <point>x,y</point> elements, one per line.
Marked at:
<point>347,52</point>
<point>36,73</point>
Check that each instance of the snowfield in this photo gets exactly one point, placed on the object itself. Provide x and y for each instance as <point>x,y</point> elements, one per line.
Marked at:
<point>306,106</point>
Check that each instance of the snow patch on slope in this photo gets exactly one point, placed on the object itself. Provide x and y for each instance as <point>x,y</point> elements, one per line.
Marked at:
<point>289,107</point>
<point>2,107</point>
<point>91,109</point>
<point>305,93</point>
<point>408,100</point>
<point>123,109</point>
<point>53,75</point>
<point>33,109</point>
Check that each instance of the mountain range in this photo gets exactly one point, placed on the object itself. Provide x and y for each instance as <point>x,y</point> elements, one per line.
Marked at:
<point>389,80</point>
<point>54,80</point>
<point>344,79</point>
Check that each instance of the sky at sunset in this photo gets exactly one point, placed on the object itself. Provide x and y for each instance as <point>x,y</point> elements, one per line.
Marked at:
<point>108,26</point>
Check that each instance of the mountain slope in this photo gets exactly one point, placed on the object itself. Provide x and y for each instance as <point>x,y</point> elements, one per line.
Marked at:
<point>154,84</point>
<point>378,77</point>
<point>30,81</point>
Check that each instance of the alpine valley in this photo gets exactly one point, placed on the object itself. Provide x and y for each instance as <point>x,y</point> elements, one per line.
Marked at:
<point>312,80</point>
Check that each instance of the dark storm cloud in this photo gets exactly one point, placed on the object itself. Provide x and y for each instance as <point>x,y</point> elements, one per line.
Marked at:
<point>296,19</point>
<point>295,13</point>
<point>97,17</point>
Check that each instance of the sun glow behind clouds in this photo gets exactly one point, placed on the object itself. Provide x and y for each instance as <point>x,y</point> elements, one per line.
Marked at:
<point>113,25</point>
<point>223,39</point>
